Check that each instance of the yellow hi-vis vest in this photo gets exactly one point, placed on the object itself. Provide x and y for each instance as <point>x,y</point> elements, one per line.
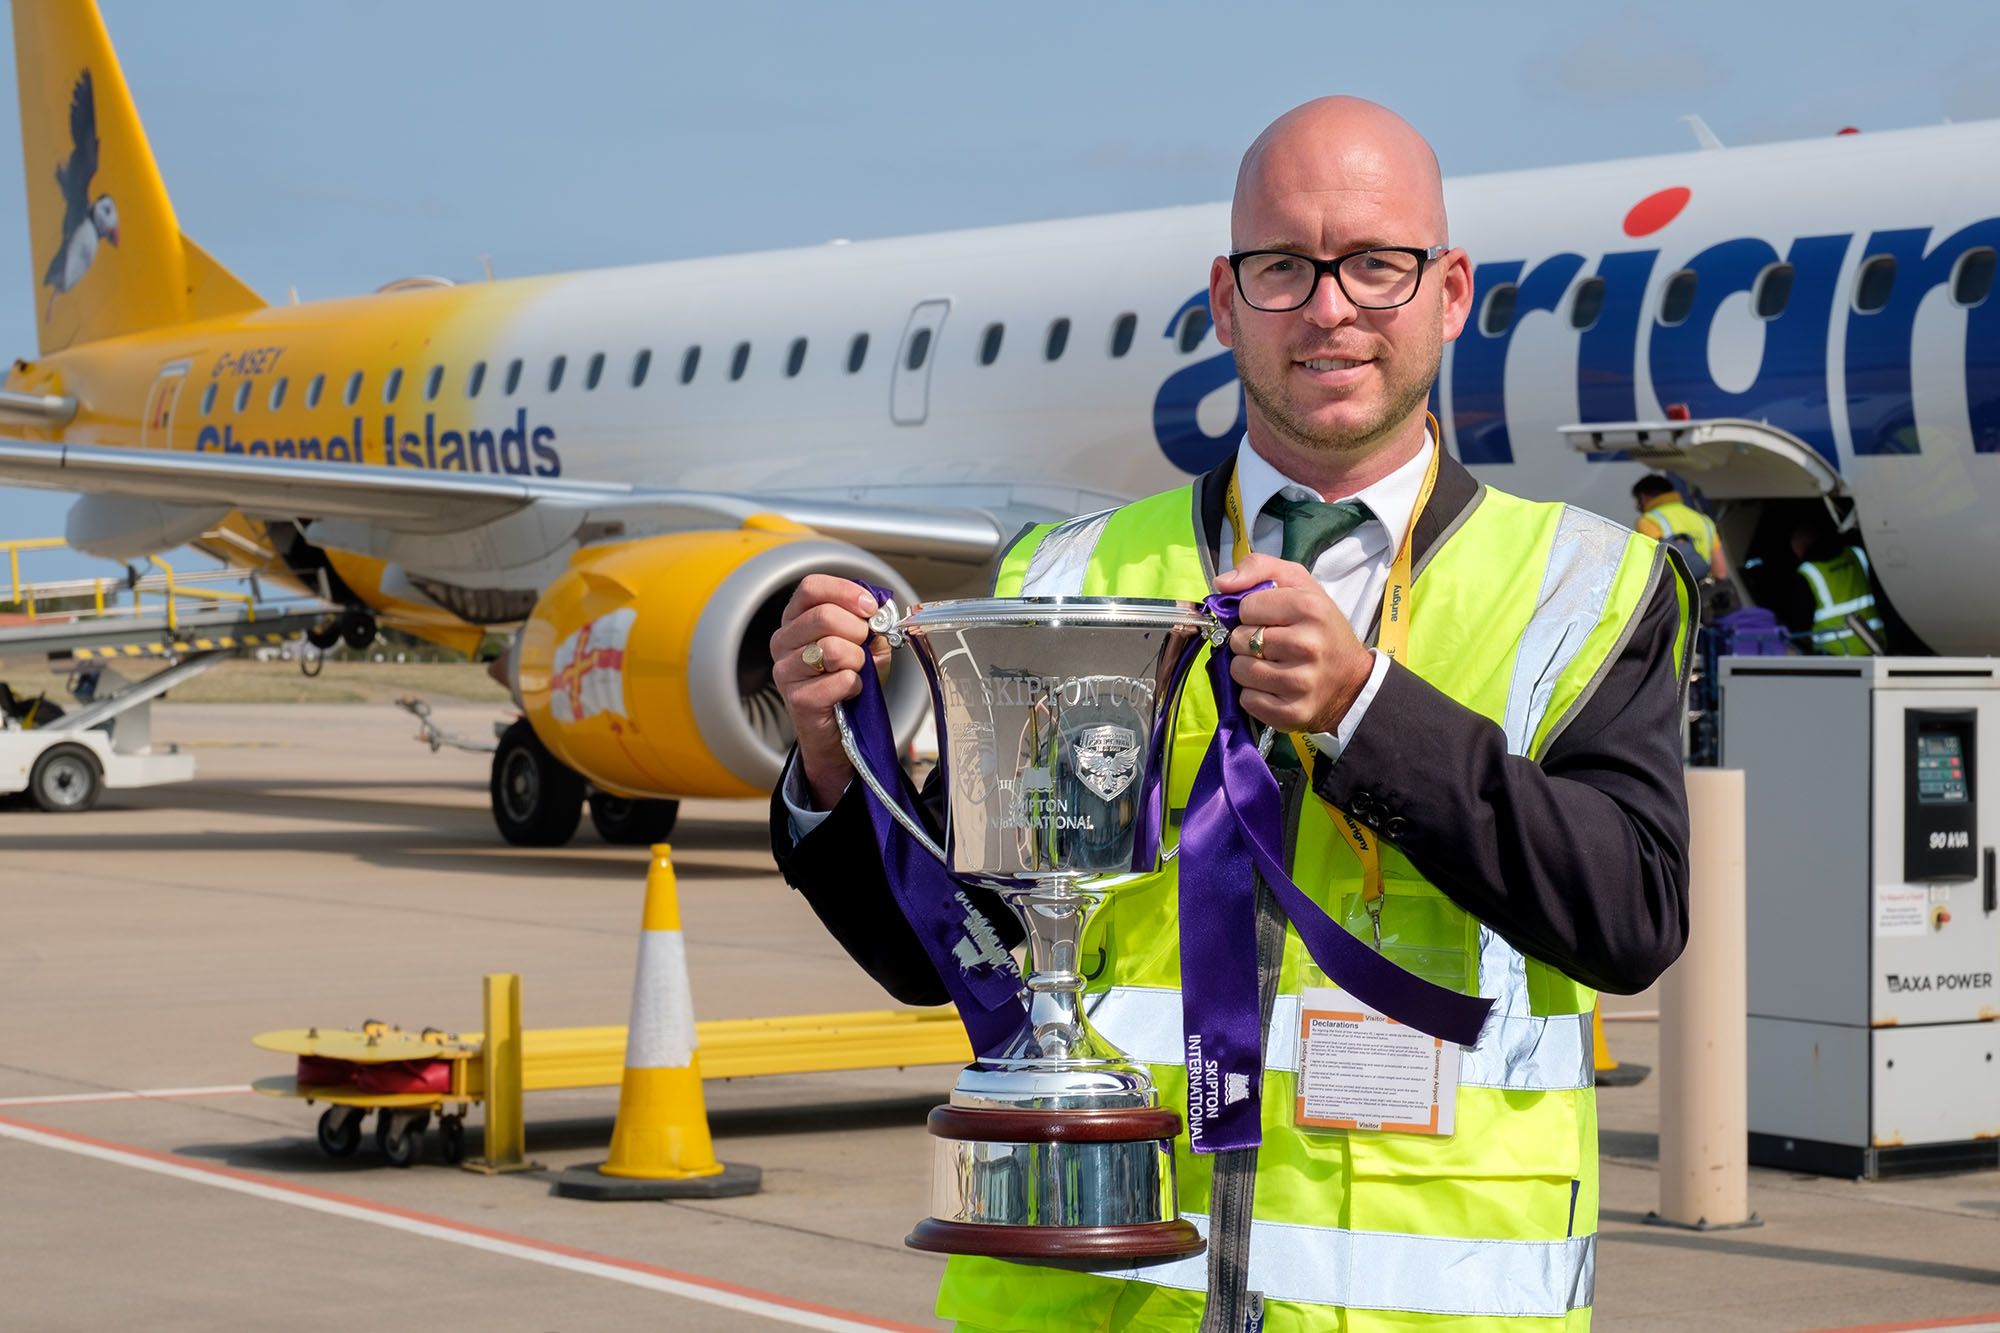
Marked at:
<point>1674,518</point>
<point>1516,615</point>
<point>1840,588</point>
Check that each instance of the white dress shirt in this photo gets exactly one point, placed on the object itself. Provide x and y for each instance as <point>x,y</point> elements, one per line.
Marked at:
<point>1354,571</point>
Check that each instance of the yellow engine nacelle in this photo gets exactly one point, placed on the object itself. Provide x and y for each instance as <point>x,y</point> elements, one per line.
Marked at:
<point>647,666</point>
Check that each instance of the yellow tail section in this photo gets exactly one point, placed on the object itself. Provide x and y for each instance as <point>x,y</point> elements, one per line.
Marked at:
<point>109,258</point>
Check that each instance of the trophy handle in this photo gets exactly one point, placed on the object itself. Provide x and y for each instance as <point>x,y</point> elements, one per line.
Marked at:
<point>881,793</point>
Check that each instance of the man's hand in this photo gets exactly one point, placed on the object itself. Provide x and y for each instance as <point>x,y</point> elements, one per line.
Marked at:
<point>833,613</point>
<point>1312,668</point>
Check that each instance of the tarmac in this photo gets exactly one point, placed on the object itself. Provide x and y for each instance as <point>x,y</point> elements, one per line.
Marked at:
<point>323,869</point>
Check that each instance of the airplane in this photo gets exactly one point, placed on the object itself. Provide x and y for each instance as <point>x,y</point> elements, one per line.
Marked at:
<point>627,469</point>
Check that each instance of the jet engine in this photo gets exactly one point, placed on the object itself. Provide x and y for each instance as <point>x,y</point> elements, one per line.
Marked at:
<point>647,666</point>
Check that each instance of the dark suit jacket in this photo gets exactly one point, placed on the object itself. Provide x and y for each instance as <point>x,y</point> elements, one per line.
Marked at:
<point>1579,860</point>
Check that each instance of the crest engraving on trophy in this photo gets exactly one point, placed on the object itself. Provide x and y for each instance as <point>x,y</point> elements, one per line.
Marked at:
<point>1107,759</point>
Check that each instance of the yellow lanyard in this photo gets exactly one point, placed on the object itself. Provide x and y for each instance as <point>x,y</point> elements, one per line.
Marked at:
<point>1393,638</point>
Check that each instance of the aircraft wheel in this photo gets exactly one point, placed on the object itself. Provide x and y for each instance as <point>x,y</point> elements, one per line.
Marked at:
<point>324,636</point>
<point>340,1131</point>
<point>66,780</point>
<point>537,799</point>
<point>625,822</point>
<point>357,630</point>
<point>400,1135</point>
<point>451,1138</point>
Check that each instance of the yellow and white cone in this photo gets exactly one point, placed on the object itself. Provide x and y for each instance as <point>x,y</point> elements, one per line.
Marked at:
<point>1610,1073</point>
<point>660,1147</point>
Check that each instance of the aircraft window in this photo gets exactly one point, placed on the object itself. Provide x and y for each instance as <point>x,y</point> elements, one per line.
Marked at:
<point>795,359</point>
<point>595,372</point>
<point>208,398</point>
<point>278,393</point>
<point>1121,333</point>
<point>1058,339</point>
<point>857,353</point>
<point>433,382</point>
<point>640,365</point>
<point>556,372</point>
<point>989,346</point>
<point>513,376</point>
<point>353,388</point>
<point>1588,305</point>
<point>1774,289</point>
<point>393,385</point>
<point>689,363</point>
<point>920,347</point>
<point>1973,282</point>
<point>1194,327</point>
<point>1499,310</point>
<point>314,388</point>
<point>739,361</point>
<point>242,394</point>
<point>475,379</point>
<point>1677,302</point>
<point>1873,285</point>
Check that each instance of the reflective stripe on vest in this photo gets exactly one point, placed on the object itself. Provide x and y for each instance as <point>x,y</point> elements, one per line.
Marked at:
<point>1382,1270</point>
<point>1061,558</point>
<point>1516,1049</point>
<point>1576,583</point>
<point>1677,518</point>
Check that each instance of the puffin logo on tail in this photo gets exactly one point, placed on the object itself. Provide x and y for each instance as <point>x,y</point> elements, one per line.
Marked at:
<point>86,221</point>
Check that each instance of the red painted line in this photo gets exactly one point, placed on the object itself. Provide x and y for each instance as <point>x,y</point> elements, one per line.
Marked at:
<point>464,1228</point>
<point>1990,1320</point>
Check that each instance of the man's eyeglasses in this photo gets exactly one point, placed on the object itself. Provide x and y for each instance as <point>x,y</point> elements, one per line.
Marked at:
<point>1380,278</point>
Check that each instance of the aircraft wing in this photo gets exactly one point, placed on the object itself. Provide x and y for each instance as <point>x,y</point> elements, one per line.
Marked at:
<point>417,503</point>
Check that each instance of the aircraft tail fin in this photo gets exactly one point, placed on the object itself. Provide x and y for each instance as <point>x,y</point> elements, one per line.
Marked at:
<point>109,257</point>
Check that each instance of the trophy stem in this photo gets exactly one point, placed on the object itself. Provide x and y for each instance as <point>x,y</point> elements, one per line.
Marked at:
<point>1056,911</point>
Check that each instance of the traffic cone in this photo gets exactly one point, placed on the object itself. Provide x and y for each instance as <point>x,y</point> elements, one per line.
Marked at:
<point>1611,1074</point>
<point>660,1146</point>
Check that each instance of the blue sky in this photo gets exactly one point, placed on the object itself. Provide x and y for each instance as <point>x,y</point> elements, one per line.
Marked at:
<point>332,147</point>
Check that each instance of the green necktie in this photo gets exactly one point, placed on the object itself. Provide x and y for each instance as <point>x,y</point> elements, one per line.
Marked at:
<point>1311,526</point>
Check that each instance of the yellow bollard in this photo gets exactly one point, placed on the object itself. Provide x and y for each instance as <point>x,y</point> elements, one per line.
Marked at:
<point>506,1127</point>
<point>660,1147</point>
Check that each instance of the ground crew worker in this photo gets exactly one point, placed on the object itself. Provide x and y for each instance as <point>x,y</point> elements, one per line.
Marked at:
<point>1665,516</point>
<point>1834,583</point>
<point>1510,733</point>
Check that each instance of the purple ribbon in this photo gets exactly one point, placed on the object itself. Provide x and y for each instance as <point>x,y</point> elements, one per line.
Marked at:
<point>964,949</point>
<point>1234,824</point>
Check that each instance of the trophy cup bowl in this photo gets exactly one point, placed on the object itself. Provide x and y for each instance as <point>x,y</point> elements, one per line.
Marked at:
<point>1054,727</point>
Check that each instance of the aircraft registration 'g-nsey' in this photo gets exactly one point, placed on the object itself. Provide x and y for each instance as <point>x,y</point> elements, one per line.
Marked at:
<point>632,467</point>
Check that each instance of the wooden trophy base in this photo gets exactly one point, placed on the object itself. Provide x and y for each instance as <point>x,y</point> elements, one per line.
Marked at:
<point>1005,1215</point>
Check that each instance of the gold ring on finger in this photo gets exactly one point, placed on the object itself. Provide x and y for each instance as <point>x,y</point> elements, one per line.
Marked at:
<point>813,656</point>
<point>1257,642</point>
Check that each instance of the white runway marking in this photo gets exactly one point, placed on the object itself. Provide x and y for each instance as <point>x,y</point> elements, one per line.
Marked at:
<point>686,1286</point>
<point>135,1095</point>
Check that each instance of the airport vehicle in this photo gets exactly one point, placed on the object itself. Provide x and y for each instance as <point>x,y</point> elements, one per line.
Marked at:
<point>163,628</point>
<point>405,1078</point>
<point>628,469</point>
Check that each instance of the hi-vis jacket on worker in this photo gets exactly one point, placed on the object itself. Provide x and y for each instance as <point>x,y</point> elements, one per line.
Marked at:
<point>1516,777</point>
<point>1841,588</point>
<point>1671,519</point>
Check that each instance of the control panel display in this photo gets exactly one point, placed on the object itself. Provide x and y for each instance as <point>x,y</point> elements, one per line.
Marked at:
<point>1940,759</point>
<point>1940,768</point>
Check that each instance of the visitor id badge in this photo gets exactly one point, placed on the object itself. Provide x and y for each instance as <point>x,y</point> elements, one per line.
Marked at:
<point>1361,1069</point>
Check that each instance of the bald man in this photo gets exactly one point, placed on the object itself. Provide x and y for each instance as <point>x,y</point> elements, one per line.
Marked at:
<point>1483,783</point>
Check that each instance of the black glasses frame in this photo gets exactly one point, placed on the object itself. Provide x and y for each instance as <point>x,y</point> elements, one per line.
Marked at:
<point>1322,267</point>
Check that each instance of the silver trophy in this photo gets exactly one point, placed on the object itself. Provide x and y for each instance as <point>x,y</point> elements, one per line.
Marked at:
<point>1052,714</point>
